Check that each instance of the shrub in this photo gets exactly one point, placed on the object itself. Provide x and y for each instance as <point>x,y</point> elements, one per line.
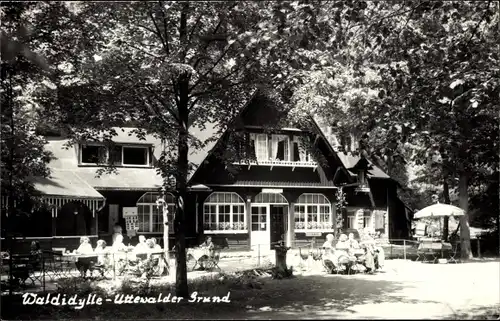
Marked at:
<point>282,273</point>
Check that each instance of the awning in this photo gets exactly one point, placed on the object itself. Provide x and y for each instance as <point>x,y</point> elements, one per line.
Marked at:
<point>64,186</point>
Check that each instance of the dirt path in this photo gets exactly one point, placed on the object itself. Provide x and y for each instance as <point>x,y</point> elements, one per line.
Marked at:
<point>407,290</point>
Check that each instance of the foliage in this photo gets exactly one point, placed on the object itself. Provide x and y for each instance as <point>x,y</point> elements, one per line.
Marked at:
<point>34,37</point>
<point>168,67</point>
<point>417,74</point>
<point>282,273</point>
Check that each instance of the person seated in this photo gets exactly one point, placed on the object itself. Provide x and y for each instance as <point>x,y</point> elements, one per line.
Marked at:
<point>141,247</point>
<point>156,246</point>
<point>341,257</point>
<point>369,260</point>
<point>353,244</point>
<point>100,249</point>
<point>35,254</point>
<point>117,230</point>
<point>328,245</point>
<point>328,250</point>
<point>208,244</point>
<point>343,243</point>
<point>85,246</point>
<point>118,245</point>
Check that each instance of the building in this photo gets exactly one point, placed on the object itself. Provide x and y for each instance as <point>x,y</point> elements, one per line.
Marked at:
<point>258,183</point>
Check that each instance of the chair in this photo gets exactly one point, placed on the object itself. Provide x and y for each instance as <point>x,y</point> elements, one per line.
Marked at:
<point>54,266</point>
<point>213,259</point>
<point>455,248</point>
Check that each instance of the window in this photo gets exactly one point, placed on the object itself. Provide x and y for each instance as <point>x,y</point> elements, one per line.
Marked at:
<point>259,218</point>
<point>270,198</point>
<point>135,156</point>
<point>367,219</point>
<point>280,147</point>
<point>260,144</point>
<point>117,155</point>
<point>351,221</point>
<point>224,212</point>
<point>151,215</point>
<point>313,212</point>
<point>92,154</point>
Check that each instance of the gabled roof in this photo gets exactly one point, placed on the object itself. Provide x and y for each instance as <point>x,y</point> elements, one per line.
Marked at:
<point>348,160</point>
<point>198,156</point>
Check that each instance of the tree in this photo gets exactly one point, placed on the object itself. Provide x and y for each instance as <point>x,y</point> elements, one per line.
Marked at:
<point>420,75</point>
<point>172,66</point>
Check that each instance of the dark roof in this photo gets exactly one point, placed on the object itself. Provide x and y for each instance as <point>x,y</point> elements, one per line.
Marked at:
<point>348,160</point>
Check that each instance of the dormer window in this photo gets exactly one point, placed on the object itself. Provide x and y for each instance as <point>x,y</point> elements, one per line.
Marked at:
<point>118,155</point>
<point>137,156</point>
<point>92,154</point>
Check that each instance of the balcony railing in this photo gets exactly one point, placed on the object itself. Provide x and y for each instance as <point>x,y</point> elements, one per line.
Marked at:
<point>281,163</point>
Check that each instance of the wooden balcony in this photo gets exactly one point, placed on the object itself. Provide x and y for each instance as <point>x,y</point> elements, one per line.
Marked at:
<point>281,163</point>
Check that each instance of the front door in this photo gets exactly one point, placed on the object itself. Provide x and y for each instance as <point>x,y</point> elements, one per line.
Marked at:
<point>278,215</point>
<point>260,236</point>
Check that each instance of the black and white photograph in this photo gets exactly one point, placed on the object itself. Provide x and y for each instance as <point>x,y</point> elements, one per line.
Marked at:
<point>248,160</point>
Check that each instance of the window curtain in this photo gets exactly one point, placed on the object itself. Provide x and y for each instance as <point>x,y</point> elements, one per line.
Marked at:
<point>276,139</point>
<point>274,147</point>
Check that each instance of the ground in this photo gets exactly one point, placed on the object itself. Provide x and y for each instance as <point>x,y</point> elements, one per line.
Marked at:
<point>408,290</point>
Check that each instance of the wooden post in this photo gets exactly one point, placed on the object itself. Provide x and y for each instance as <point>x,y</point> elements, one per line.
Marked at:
<point>479,247</point>
<point>291,225</point>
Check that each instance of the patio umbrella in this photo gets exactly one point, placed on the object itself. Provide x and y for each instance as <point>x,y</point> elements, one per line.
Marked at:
<point>439,210</point>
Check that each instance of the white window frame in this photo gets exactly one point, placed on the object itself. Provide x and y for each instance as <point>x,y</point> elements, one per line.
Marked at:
<point>318,205</point>
<point>137,147</point>
<point>171,198</point>
<point>80,158</point>
<point>288,154</point>
<point>351,221</point>
<point>210,202</point>
<point>121,146</point>
<point>256,144</point>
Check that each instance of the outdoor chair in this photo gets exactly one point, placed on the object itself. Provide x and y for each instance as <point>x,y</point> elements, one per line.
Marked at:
<point>53,264</point>
<point>453,252</point>
<point>212,260</point>
<point>23,269</point>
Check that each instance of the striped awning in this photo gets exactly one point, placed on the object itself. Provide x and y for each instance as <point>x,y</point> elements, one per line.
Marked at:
<point>63,187</point>
<point>56,203</point>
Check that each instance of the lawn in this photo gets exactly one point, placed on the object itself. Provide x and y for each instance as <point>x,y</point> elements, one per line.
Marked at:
<point>405,290</point>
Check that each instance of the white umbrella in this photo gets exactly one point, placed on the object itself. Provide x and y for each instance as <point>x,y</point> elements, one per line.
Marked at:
<point>439,210</point>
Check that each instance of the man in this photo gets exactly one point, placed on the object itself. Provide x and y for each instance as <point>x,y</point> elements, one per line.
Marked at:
<point>117,230</point>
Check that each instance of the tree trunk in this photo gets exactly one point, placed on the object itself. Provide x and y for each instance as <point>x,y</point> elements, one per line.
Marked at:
<point>181,285</point>
<point>446,196</point>
<point>465,247</point>
<point>182,168</point>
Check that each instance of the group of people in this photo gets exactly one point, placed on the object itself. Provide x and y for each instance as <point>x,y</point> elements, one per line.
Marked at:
<point>343,254</point>
<point>118,248</point>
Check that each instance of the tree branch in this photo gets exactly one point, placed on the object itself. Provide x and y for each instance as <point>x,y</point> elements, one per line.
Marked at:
<point>211,69</point>
<point>158,33</point>
<point>474,31</point>
<point>165,27</point>
<point>165,105</point>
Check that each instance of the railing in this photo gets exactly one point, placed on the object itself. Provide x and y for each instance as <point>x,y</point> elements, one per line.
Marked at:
<point>283,163</point>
